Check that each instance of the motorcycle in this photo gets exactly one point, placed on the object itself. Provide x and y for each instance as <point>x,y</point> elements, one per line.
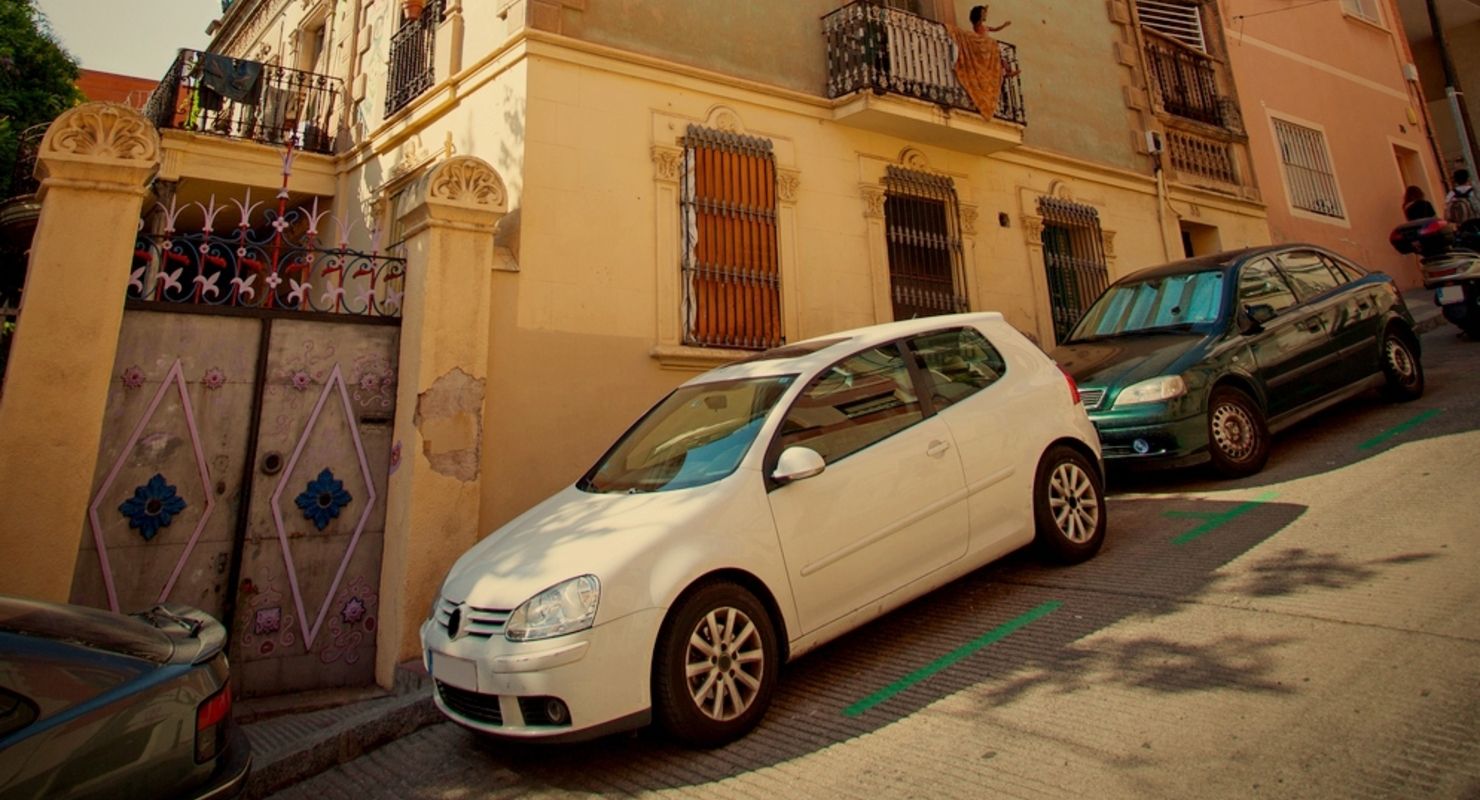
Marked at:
<point>1449,259</point>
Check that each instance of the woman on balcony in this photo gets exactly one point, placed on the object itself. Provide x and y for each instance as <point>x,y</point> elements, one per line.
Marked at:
<point>979,65</point>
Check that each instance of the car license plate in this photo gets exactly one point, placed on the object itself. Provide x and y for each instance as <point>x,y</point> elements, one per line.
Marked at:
<point>1451,294</point>
<point>454,671</point>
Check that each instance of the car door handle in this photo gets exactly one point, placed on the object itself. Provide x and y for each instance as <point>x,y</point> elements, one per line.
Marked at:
<point>937,448</point>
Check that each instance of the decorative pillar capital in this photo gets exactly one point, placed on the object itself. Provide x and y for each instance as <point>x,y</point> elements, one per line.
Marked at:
<point>462,189</point>
<point>666,163</point>
<point>873,200</point>
<point>788,183</point>
<point>99,144</point>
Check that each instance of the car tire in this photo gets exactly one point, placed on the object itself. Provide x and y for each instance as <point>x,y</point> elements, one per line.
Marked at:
<point>1068,506</point>
<point>1402,368</point>
<point>703,694</point>
<point>1238,439</point>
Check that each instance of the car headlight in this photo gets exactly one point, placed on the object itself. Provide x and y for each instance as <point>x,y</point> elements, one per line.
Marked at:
<point>563,608</point>
<point>1163,388</point>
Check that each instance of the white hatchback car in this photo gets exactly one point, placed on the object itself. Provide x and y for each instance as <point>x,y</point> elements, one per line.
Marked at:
<point>758,511</point>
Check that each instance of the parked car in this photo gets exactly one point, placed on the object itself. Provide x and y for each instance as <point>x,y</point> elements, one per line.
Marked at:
<point>101,705</point>
<point>756,512</point>
<point>1202,359</point>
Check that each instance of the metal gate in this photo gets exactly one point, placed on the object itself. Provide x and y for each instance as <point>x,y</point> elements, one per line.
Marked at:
<point>246,446</point>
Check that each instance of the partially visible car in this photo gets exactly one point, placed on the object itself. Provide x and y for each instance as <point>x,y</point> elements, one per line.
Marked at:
<point>757,511</point>
<point>95,704</point>
<point>1201,360</point>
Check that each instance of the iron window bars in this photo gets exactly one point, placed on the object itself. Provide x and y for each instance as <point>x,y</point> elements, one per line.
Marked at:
<point>1074,258</point>
<point>412,65</point>
<point>923,228</point>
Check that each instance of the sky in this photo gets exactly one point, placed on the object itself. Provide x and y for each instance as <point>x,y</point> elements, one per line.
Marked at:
<point>138,38</point>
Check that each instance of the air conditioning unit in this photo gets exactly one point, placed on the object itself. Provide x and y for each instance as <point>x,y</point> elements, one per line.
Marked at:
<point>1153,142</point>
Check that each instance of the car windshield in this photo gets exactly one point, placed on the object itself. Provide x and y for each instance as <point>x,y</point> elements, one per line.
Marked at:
<point>695,436</point>
<point>1173,303</point>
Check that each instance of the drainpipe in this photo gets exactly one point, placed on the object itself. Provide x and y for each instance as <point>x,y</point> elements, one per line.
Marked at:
<point>1452,90</point>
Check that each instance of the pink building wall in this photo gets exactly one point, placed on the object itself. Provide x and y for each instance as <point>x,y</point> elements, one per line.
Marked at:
<point>1322,68</point>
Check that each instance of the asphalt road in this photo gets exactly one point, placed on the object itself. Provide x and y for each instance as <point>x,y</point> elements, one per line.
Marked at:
<point>1311,632</point>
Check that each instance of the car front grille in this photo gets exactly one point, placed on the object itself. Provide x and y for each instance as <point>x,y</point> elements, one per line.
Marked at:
<point>480,622</point>
<point>1091,398</point>
<point>479,707</point>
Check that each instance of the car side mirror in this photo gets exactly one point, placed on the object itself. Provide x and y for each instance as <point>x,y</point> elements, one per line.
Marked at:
<point>1254,316</point>
<point>798,463</point>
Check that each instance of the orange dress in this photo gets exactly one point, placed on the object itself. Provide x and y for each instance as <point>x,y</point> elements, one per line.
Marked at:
<point>979,69</point>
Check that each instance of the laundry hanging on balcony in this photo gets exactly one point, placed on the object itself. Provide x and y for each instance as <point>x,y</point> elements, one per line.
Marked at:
<point>232,78</point>
<point>979,69</point>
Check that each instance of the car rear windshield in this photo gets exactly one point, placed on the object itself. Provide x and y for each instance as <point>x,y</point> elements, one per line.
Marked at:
<point>696,435</point>
<point>100,630</point>
<point>1174,303</point>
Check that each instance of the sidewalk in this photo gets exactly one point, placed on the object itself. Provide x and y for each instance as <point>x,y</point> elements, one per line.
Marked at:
<point>298,736</point>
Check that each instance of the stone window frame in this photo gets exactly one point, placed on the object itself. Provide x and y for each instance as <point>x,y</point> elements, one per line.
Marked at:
<point>1341,219</point>
<point>667,155</point>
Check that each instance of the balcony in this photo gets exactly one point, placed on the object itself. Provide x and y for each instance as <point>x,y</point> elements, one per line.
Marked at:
<point>898,71</point>
<point>1186,83</point>
<point>240,99</point>
<point>411,68</point>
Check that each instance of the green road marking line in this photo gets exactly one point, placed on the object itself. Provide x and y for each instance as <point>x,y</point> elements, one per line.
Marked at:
<point>996,634</point>
<point>1403,428</point>
<point>1214,520</point>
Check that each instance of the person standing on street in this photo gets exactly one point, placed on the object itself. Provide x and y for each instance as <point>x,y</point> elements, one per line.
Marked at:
<point>1416,206</point>
<point>1461,203</point>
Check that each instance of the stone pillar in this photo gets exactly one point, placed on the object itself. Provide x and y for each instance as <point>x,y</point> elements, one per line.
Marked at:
<point>432,505</point>
<point>95,164</point>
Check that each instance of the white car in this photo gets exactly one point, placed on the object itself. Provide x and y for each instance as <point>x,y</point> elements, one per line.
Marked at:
<point>756,512</point>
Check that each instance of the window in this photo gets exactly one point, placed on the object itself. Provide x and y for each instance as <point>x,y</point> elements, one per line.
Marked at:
<point>922,225</point>
<point>1308,173</point>
<point>1074,256</point>
<point>1366,9</point>
<point>1180,21</point>
<point>731,279</point>
<point>1261,284</point>
<point>1347,270</point>
<point>1307,273</point>
<point>861,400</point>
<point>1190,301</point>
<point>956,364</point>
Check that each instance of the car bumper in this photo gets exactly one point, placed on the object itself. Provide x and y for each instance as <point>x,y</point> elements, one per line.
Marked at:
<point>232,768</point>
<point>601,675</point>
<point>1151,443</point>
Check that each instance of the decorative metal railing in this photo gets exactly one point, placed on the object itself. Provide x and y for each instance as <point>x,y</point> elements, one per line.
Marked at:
<point>1186,82</point>
<point>28,146</point>
<point>411,69</point>
<point>277,261</point>
<point>886,50</point>
<point>1201,156</point>
<point>241,99</point>
<point>10,309</point>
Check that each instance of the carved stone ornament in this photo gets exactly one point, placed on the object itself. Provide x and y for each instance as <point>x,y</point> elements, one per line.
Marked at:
<point>968,220</point>
<point>1061,190</point>
<point>468,181</point>
<point>724,119</point>
<point>667,162</point>
<point>1033,230</point>
<point>873,199</point>
<point>910,158</point>
<point>1107,239</point>
<point>106,131</point>
<point>788,183</point>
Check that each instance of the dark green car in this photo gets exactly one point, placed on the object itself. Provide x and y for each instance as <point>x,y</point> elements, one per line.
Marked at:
<point>1202,359</point>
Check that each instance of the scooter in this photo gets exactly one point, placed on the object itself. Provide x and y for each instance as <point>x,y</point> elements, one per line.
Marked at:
<point>1449,258</point>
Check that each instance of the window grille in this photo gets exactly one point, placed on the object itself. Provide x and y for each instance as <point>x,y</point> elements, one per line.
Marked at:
<point>1366,9</point>
<point>923,227</point>
<point>1308,171</point>
<point>1074,257</point>
<point>1180,21</point>
<point>731,275</point>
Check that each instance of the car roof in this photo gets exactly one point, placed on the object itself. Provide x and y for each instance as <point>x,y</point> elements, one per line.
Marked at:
<point>1227,259</point>
<point>821,351</point>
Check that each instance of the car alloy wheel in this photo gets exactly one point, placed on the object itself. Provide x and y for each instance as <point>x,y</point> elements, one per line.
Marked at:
<point>1068,505</point>
<point>1238,442</point>
<point>1403,370</point>
<point>716,665</point>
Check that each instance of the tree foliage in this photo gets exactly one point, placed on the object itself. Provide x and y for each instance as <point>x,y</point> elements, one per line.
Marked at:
<point>38,79</point>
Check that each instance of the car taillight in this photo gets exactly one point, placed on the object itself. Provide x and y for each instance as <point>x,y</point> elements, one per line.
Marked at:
<point>1073,387</point>
<point>210,724</point>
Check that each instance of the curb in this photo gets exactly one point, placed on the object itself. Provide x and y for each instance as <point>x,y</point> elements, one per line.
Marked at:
<point>291,748</point>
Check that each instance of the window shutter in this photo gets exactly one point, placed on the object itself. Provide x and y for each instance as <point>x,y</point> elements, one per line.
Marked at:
<point>1179,21</point>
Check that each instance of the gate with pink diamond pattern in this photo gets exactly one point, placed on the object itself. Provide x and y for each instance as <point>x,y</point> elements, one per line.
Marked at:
<point>246,447</point>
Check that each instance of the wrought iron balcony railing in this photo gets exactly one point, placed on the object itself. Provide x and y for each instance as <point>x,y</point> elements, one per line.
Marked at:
<point>28,145</point>
<point>241,99</point>
<point>888,51</point>
<point>411,69</point>
<point>1186,82</point>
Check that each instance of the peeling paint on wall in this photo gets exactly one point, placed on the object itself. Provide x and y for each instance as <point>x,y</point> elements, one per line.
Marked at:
<point>449,416</point>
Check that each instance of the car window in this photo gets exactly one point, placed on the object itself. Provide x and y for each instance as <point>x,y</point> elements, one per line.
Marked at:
<point>1180,302</point>
<point>856,402</point>
<point>956,364</point>
<point>1259,283</point>
<point>1345,270</point>
<point>1307,273</point>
